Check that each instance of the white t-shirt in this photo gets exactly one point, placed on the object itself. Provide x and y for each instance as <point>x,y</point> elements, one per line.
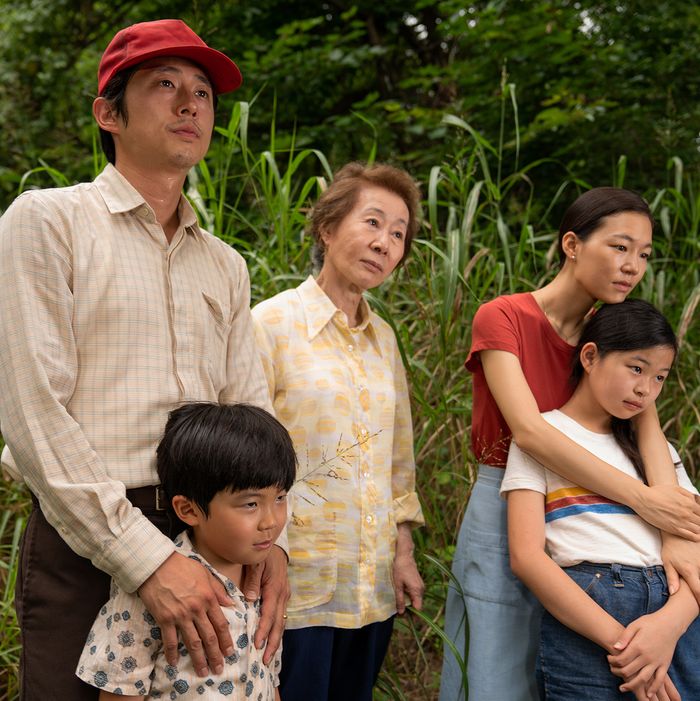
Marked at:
<point>580,525</point>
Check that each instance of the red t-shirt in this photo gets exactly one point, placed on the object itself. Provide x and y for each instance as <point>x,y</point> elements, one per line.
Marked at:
<point>515,323</point>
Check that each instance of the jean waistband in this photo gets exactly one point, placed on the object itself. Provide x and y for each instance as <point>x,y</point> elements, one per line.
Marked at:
<point>491,475</point>
<point>614,568</point>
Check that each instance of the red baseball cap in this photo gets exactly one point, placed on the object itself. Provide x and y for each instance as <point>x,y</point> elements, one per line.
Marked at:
<point>165,37</point>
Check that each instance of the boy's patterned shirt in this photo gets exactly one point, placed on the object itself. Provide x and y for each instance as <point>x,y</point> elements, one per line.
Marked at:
<point>341,393</point>
<point>124,651</point>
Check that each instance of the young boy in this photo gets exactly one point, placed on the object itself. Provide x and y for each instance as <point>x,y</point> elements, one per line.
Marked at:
<point>225,471</point>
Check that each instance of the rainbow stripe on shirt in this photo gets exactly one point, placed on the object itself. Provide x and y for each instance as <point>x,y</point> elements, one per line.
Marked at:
<point>573,501</point>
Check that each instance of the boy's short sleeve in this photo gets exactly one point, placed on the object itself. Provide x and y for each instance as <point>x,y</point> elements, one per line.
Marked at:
<point>121,647</point>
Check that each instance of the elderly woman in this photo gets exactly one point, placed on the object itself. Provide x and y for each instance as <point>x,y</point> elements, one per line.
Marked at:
<point>338,384</point>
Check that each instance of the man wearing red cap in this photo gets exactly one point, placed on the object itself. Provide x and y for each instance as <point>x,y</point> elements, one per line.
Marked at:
<point>118,307</point>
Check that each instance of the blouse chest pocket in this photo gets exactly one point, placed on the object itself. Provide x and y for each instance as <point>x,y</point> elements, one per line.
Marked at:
<point>218,326</point>
<point>313,556</point>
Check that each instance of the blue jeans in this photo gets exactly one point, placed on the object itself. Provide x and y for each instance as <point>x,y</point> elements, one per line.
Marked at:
<point>504,617</point>
<point>572,668</point>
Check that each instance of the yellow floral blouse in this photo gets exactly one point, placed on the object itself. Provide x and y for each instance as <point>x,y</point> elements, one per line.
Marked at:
<point>342,394</point>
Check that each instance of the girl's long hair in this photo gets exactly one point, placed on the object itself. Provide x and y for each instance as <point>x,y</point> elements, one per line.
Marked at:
<point>630,325</point>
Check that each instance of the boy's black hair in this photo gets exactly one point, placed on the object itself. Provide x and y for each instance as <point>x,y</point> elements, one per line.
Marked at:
<point>209,448</point>
<point>633,324</point>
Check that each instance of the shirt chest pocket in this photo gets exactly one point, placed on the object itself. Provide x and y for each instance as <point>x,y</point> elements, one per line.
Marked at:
<point>313,556</point>
<point>217,330</point>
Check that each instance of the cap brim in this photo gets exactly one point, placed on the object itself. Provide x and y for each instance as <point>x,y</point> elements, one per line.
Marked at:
<point>222,71</point>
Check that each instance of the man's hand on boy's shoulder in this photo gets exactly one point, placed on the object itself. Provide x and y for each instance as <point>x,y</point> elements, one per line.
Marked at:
<point>184,596</point>
<point>268,580</point>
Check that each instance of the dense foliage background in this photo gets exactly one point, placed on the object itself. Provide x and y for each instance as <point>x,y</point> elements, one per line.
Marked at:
<point>504,111</point>
<point>593,79</point>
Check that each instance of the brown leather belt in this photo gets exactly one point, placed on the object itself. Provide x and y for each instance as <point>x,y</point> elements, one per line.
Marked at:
<point>151,498</point>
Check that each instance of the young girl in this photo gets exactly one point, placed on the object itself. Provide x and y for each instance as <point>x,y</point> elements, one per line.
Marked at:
<point>592,562</point>
<point>522,346</point>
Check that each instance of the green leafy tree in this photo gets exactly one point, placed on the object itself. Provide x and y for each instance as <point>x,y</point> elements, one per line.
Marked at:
<point>592,81</point>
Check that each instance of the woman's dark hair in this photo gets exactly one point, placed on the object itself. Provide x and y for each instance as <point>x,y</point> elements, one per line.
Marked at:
<point>209,448</point>
<point>630,325</point>
<point>589,210</point>
<point>336,202</point>
<point>115,92</point>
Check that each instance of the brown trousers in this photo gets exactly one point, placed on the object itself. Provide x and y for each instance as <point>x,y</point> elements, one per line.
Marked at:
<point>57,597</point>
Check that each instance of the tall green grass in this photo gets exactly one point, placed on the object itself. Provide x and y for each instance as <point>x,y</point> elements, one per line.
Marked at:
<point>486,231</point>
<point>15,505</point>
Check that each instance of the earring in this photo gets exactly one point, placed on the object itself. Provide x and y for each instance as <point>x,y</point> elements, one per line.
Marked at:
<point>573,257</point>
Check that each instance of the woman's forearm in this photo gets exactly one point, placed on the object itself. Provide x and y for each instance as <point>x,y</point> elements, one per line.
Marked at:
<point>568,459</point>
<point>668,507</point>
<point>653,448</point>
<point>545,443</point>
<point>664,505</point>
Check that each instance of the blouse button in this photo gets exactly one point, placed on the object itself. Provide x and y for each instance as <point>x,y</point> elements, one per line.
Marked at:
<point>351,348</point>
<point>368,519</point>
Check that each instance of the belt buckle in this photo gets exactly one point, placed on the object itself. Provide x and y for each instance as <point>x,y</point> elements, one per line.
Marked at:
<point>161,501</point>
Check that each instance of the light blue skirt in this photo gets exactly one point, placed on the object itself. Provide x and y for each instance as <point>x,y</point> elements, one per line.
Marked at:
<point>503,616</point>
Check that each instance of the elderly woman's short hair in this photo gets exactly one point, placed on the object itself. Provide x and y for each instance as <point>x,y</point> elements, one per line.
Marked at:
<point>340,197</point>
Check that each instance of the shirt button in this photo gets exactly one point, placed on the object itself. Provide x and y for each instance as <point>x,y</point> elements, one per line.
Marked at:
<point>351,348</point>
<point>365,474</point>
<point>364,431</point>
<point>368,519</point>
